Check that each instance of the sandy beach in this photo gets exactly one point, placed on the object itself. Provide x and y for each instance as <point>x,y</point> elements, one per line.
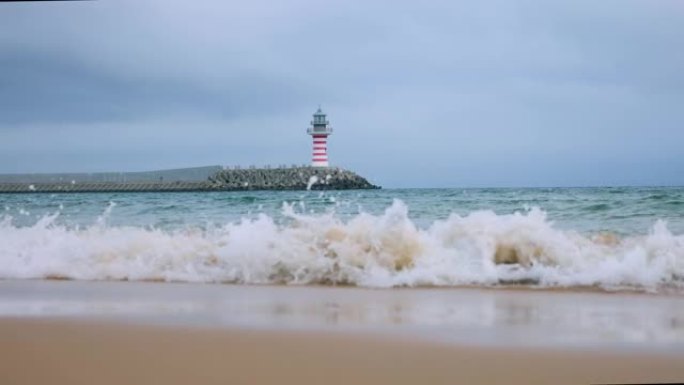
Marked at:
<point>76,352</point>
<point>149,333</point>
<point>343,192</point>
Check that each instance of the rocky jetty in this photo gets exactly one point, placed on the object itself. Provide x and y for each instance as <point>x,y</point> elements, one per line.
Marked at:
<point>90,187</point>
<point>293,178</point>
<point>229,179</point>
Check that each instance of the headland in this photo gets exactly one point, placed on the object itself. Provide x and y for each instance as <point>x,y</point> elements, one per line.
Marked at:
<point>210,178</point>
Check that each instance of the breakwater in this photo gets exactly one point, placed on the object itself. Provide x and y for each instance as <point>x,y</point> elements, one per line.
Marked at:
<point>212,178</point>
<point>188,174</point>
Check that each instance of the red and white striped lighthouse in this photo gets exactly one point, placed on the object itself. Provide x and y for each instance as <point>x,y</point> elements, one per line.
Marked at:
<point>319,132</point>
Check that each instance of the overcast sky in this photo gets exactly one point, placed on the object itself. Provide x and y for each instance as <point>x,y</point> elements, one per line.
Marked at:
<point>420,93</point>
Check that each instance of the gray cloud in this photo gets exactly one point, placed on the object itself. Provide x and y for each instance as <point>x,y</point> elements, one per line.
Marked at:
<point>479,93</point>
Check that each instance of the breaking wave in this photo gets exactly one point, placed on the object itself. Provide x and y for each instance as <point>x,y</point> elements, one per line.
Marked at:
<point>386,250</point>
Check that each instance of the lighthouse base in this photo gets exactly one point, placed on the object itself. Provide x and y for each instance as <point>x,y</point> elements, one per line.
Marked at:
<point>320,163</point>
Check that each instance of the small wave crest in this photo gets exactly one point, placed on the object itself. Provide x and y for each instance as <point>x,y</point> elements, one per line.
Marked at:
<point>387,250</point>
<point>597,207</point>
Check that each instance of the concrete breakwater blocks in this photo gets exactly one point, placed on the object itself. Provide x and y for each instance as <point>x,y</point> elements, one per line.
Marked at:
<point>292,178</point>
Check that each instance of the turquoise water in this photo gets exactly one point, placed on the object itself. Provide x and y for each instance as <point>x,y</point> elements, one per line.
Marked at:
<point>610,238</point>
<point>620,210</point>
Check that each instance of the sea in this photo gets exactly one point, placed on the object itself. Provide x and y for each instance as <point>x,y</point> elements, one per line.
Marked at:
<point>607,238</point>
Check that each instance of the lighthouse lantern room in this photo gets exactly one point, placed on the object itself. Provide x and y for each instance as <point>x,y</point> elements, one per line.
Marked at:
<point>319,131</point>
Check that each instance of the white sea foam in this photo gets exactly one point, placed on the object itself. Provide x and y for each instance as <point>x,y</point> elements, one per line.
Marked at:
<point>386,250</point>
<point>312,181</point>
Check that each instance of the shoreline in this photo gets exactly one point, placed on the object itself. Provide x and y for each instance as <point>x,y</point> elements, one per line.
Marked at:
<point>566,319</point>
<point>78,351</point>
<point>85,332</point>
<point>593,289</point>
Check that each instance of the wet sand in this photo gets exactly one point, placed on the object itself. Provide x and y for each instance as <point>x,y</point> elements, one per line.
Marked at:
<point>77,352</point>
<point>159,333</point>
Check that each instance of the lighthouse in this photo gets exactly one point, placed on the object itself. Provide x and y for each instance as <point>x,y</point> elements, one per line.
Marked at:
<point>319,131</point>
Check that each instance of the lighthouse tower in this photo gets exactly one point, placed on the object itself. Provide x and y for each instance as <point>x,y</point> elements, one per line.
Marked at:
<point>319,132</point>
